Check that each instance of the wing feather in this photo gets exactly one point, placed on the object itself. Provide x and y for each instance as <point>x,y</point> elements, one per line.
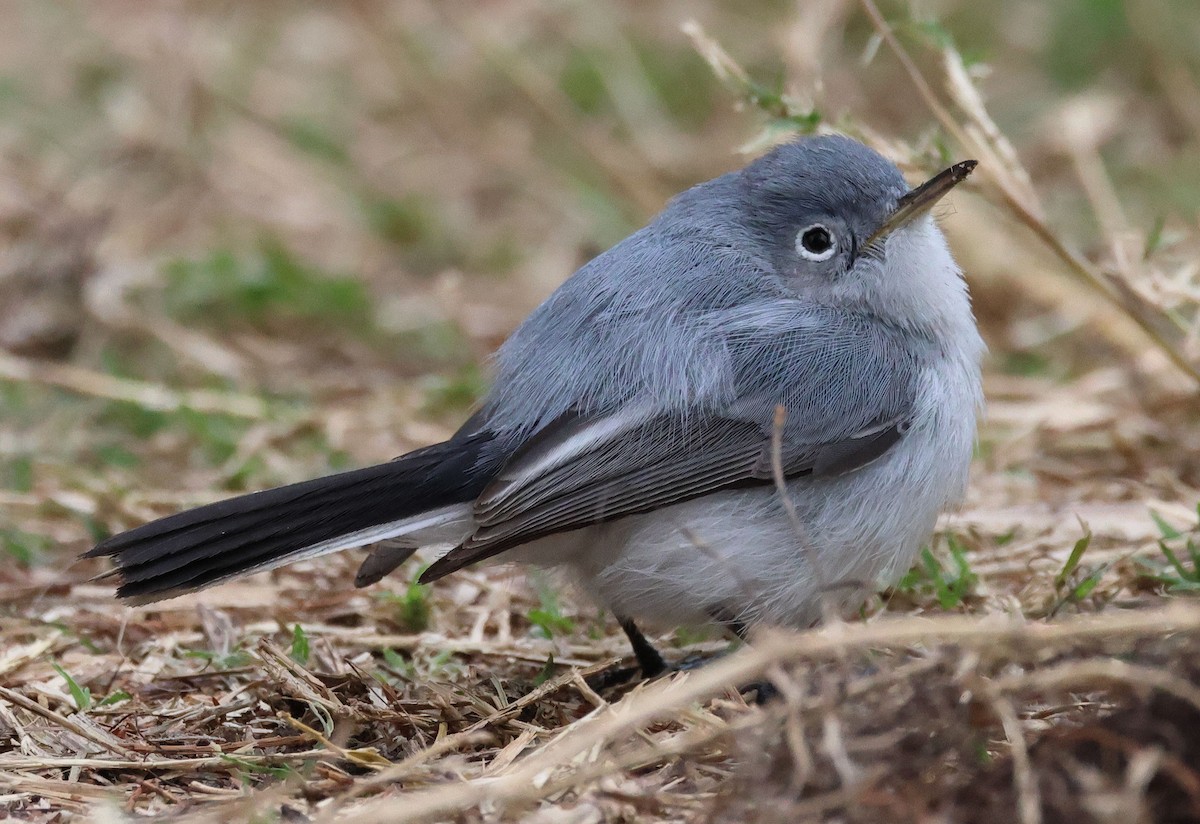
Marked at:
<point>636,472</point>
<point>847,384</point>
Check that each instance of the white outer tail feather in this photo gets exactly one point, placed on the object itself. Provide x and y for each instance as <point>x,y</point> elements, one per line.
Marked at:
<point>447,525</point>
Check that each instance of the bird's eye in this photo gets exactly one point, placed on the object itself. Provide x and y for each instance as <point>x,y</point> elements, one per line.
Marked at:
<point>816,243</point>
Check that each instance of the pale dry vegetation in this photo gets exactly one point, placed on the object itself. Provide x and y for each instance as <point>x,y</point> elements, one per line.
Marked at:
<point>244,244</point>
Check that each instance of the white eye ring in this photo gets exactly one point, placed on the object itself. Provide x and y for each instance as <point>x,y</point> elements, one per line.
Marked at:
<point>816,243</point>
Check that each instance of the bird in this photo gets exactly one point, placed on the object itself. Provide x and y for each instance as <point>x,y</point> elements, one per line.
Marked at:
<point>748,412</point>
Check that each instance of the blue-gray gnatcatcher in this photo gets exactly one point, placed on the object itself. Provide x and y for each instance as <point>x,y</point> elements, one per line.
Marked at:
<point>799,320</point>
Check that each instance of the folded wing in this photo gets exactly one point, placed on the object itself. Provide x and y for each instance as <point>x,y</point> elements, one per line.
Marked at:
<point>847,398</point>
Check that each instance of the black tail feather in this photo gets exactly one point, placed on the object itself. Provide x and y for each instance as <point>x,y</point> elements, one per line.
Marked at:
<point>194,549</point>
<point>383,559</point>
<point>346,504</point>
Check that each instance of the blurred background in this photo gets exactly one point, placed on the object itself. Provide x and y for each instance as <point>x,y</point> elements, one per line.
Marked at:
<point>244,243</point>
<point>247,243</point>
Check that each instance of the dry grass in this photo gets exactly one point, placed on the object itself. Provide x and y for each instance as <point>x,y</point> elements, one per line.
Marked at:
<point>182,186</point>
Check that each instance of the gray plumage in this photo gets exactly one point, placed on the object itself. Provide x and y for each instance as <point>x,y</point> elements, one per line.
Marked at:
<point>657,313</point>
<point>628,435</point>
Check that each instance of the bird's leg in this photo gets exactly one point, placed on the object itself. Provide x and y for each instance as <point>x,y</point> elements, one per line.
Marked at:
<point>650,663</point>
<point>649,660</point>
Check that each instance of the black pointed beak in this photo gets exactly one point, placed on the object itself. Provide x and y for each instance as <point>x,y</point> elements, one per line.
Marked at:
<point>921,199</point>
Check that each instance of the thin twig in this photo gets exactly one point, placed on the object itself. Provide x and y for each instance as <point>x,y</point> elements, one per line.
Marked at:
<point>1119,293</point>
<point>789,506</point>
<point>473,734</point>
<point>1086,674</point>
<point>367,757</point>
<point>153,397</point>
<point>224,761</point>
<point>1029,802</point>
<point>659,699</point>
<point>106,741</point>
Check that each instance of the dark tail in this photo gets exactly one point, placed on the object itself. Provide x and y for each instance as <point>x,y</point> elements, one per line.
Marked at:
<point>200,547</point>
